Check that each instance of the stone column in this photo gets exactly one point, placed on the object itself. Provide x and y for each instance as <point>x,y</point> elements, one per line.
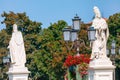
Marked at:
<point>101,69</point>
<point>18,73</point>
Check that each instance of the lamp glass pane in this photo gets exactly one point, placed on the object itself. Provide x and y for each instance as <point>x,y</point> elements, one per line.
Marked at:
<point>7,60</point>
<point>76,25</point>
<point>91,35</point>
<point>73,36</point>
<point>112,51</point>
<point>4,60</point>
<point>66,35</point>
<point>113,44</point>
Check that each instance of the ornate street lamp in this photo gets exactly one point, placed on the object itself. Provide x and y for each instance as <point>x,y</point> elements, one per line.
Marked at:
<point>91,33</point>
<point>70,34</point>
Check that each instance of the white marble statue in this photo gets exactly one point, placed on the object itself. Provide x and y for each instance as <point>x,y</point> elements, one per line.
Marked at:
<point>102,34</point>
<point>16,47</point>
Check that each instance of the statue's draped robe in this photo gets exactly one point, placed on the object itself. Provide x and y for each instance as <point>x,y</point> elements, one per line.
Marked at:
<point>17,50</point>
<point>102,34</point>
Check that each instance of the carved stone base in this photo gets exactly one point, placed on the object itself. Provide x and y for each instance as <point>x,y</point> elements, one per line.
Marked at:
<point>101,69</point>
<point>18,73</point>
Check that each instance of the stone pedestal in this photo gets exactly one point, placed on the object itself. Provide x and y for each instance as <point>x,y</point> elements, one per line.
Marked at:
<point>101,69</point>
<point>18,73</point>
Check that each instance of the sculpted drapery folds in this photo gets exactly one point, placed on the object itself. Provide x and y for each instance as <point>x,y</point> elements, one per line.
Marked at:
<point>16,47</point>
<point>102,34</point>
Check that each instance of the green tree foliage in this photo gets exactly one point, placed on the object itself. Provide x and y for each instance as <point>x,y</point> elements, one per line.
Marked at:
<point>52,53</point>
<point>83,34</point>
<point>114,24</point>
<point>114,28</point>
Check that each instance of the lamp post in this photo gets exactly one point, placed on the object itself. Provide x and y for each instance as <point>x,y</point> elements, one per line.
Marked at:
<point>70,34</point>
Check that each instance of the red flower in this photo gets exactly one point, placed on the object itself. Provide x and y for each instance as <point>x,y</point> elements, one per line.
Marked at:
<point>75,60</point>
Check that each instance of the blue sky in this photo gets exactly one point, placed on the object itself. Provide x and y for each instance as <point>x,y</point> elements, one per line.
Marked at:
<point>50,11</point>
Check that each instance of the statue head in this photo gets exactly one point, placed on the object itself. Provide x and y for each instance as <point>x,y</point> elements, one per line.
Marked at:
<point>15,28</point>
<point>97,12</point>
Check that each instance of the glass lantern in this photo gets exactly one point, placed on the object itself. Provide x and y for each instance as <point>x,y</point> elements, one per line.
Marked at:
<point>113,51</point>
<point>66,34</point>
<point>91,33</point>
<point>6,60</point>
<point>113,44</point>
<point>73,35</point>
<point>76,23</point>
